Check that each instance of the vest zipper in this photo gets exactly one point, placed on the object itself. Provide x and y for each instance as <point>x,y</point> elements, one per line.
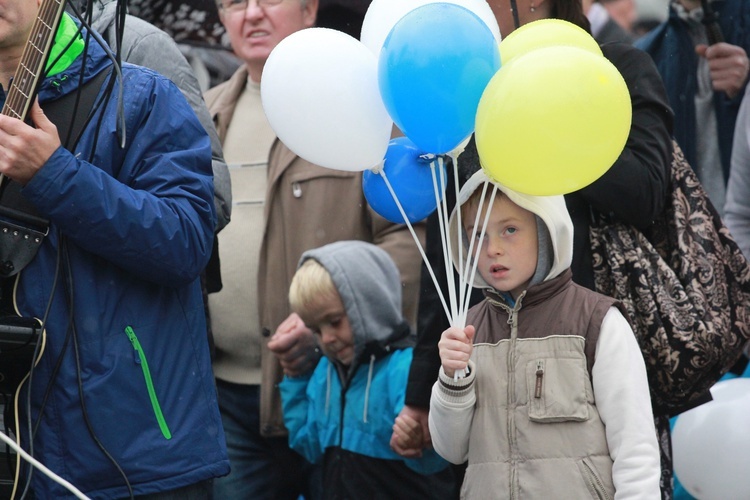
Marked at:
<point>141,360</point>
<point>513,322</point>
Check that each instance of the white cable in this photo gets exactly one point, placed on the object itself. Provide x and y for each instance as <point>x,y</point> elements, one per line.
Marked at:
<point>42,468</point>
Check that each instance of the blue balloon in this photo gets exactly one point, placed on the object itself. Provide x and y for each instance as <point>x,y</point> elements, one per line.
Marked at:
<point>410,176</point>
<point>433,68</point>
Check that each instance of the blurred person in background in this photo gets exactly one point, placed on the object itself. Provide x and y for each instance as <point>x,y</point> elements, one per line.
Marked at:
<point>283,206</point>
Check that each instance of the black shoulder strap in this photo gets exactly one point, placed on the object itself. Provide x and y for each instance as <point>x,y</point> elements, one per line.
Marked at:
<point>22,229</point>
<point>70,121</point>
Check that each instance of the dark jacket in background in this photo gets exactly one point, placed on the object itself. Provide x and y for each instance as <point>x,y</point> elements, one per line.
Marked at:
<point>672,49</point>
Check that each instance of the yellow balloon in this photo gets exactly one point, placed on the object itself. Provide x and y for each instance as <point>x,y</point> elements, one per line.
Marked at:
<point>552,121</point>
<point>546,33</point>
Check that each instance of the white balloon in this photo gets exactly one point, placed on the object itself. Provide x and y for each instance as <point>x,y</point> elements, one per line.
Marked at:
<point>320,93</point>
<point>711,444</point>
<point>382,15</point>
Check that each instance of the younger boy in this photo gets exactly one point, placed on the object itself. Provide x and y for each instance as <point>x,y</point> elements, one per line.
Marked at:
<point>556,400</point>
<point>349,294</point>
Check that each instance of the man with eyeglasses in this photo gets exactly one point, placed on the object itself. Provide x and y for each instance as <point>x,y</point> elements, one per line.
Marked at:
<point>283,206</point>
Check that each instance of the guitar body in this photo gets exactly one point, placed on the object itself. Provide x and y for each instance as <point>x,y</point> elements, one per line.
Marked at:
<point>22,229</point>
<point>22,339</point>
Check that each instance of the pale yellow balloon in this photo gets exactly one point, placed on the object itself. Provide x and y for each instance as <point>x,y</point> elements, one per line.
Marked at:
<point>552,121</point>
<point>546,33</point>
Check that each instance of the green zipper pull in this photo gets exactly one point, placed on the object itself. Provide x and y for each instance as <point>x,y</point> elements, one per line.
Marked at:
<point>149,383</point>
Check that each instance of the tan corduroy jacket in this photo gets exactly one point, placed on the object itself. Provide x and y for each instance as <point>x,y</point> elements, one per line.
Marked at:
<point>308,206</point>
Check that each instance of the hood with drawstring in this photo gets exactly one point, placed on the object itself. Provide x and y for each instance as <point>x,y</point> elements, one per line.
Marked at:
<point>554,228</point>
<point>369,285</point>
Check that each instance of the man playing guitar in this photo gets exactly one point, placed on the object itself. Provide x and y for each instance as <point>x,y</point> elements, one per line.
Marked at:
<point>121,402</point>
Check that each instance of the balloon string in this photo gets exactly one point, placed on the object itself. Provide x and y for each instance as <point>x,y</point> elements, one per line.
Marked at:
<point>466,283</point>
<point>446,220</point>
<point>442,213</point>
<point>471,262</point>
<point>416,239</point>
<point>459,225</point>
<point>465,308</point>
<point>445,240</point>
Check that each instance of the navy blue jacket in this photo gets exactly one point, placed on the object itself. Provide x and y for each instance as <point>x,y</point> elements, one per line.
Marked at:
<point>137,224</point>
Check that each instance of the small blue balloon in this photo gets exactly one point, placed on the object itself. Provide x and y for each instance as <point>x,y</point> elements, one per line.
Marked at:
<point>433,67</point>
<point>410,175</point>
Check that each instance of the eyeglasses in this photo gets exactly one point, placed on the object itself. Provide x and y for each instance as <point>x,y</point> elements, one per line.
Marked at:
<point>240,5</point>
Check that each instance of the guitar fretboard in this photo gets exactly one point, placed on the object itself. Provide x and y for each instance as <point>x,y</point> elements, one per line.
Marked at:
<point>24,84</point>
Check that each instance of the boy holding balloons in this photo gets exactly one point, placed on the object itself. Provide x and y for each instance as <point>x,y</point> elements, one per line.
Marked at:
<point>555,398</point>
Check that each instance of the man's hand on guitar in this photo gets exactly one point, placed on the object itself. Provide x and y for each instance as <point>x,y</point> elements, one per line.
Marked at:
<point>25,149</point>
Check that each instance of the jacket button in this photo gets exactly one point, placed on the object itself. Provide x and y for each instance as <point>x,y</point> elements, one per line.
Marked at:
<point>265,332</point>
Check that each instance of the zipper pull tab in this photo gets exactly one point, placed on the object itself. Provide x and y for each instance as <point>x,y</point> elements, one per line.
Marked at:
<point>136,345</point>
<point>539,377</point>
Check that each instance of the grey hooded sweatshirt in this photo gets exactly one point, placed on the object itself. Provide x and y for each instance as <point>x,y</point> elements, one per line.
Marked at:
<point>369,285</point>
<point>146,45</point>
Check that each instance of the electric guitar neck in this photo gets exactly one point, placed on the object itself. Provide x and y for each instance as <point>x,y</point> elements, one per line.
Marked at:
<point>28,75</point>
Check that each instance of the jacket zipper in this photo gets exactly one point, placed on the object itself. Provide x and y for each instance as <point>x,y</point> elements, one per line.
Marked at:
<point>141,360</point>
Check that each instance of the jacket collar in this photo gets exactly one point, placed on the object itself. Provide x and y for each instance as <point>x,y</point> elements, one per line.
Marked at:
<point>223,108</point>
<point>68,80</point>
<point>536,293</point>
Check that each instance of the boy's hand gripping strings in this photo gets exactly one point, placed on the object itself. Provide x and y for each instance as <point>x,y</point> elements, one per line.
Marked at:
<point>455,347</point>
<point>456,307</point>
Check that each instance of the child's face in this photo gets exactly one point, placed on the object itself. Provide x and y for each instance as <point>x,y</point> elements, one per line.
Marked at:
<point>509,249</point>
<point>330,324</point>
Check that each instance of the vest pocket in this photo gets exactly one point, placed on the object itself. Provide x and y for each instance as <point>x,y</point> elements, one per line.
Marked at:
<point>594,483</point>
<point>556,390</point>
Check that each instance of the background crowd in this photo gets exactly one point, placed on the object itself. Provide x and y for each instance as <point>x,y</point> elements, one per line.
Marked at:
<point>273,210</point>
